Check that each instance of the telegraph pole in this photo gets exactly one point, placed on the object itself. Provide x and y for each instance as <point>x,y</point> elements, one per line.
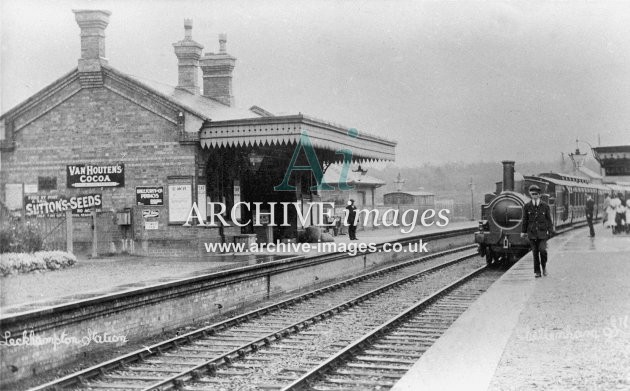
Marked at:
<point>472,200</point>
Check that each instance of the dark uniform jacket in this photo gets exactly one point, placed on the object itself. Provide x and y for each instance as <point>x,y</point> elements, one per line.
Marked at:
<point>537,222</point>
<point>352,214</point>
<point>590,206</point>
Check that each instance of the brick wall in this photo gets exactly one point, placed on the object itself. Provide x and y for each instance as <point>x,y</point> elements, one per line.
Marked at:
<point>116,123</point>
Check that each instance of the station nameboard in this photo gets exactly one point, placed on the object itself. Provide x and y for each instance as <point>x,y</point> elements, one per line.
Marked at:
<point>95,175</point>
<point>150,195</point>
<point>57,205</point>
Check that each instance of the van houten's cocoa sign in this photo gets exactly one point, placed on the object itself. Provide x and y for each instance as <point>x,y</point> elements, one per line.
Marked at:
<point>95,175</point>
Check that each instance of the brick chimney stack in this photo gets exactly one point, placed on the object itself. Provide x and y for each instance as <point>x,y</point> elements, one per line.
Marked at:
<point>92,24</point>
<point>188,53</point>
<point>217,74</point>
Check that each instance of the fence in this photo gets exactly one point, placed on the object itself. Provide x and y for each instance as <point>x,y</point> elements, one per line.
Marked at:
<point>33,233</point>
<point>5,216</point>
<point>53,231</point>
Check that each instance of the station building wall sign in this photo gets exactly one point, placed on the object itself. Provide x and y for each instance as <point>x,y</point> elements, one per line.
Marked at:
<point>150,195</point>
<point>57,205</point>
<point>95,175</point>
<point>179,200</point>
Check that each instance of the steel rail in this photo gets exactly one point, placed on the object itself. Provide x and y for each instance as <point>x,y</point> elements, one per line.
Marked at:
<point>79,378</point>
<point>349,351</point>
<point>177,381</point>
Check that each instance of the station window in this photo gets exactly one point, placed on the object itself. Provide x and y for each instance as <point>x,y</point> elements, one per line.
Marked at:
<point>45,183</point>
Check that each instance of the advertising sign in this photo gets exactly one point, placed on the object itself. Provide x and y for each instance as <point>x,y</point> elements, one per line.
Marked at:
<point>148,213</point>
<point>95,175</point>
<point>57,205</point>
<point>13,193</point>
<point>150,195</point>
<point>150,225</point>
<point>201,199</point>
<point>30,188</point>
<point>179,202</point>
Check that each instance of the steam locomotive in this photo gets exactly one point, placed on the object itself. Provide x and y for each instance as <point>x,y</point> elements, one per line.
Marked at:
<point>502,212</point>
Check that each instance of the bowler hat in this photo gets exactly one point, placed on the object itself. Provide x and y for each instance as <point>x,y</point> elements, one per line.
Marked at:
<point>351,200</point>
<point>534,188</point>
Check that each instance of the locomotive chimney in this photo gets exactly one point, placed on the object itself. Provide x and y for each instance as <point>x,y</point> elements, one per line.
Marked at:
<point>508,175</point>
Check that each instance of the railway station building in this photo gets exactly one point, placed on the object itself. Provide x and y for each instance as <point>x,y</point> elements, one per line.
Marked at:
<point>133,155</point>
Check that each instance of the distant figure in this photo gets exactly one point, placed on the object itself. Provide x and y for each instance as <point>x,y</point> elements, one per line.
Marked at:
<point>538,227</point>
<point>606,206</point>
<point>608,212</point>
<point>350,220</point>
<point>620,214</point>
<point>615,202</point>
<point>590,207</point>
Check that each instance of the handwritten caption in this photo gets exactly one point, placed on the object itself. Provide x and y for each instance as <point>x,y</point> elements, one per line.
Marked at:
<point>29,338</point>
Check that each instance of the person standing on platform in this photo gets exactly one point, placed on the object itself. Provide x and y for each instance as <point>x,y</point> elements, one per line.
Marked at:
<point>605,209</point>
<point>590,207</point>
<point>620,218</point>
<point>350,220</point>
<point>538,227</point>
<point>615,202</point>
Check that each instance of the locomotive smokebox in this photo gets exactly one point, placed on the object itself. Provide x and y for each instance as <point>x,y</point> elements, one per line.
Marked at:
<point>508,175</point>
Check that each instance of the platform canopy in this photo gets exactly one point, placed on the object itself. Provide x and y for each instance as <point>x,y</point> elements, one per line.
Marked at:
<point>327,138</point>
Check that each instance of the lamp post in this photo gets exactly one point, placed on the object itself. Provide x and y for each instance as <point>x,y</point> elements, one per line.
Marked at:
<point>399,185</point>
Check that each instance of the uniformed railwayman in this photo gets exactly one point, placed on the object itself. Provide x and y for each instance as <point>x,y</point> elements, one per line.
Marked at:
<point>538,227</point>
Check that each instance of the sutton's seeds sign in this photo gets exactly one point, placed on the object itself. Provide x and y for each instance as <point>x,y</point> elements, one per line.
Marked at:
<point>95,175</point>
<point>57,205</point>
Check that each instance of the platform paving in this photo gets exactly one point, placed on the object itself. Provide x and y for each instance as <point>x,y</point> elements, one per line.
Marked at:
<point>567,331</point>
<point>105,275</point>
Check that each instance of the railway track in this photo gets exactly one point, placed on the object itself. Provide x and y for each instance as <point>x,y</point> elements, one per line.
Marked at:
<point>381,357</point>
<point>167,364</point>
<point>277,365</point>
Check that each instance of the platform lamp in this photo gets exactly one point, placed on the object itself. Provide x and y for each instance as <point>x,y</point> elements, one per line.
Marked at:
<point>578,158</point>
<point>360,170</point>
<point>255,160</point>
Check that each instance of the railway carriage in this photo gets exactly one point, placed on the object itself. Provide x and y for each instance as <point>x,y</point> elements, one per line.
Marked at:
<point>502,212</point>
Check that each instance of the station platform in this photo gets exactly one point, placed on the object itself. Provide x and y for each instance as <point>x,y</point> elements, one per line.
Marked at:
<point>569,330</point>
<point>96,277</point>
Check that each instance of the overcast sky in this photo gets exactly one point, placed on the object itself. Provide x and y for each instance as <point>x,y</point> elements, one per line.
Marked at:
<point>450,81</point>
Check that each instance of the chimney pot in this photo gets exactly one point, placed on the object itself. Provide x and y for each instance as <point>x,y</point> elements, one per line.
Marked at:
<point>222,42</point>
<point>188,24</point>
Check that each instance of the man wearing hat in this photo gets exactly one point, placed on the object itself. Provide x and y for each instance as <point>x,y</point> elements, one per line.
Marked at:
<point>350,219</point>
<point>537,226</point>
